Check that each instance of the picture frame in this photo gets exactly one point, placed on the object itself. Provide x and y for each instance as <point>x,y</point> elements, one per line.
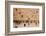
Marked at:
<point>9,9</point>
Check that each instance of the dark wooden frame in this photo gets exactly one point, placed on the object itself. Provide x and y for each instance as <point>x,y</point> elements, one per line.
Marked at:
<point>7,18</point>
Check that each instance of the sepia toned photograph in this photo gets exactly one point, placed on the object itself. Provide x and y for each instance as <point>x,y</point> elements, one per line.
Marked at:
<point>25,17</point>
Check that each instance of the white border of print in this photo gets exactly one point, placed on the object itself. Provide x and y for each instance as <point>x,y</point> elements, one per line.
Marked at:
<point>25,29</point>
